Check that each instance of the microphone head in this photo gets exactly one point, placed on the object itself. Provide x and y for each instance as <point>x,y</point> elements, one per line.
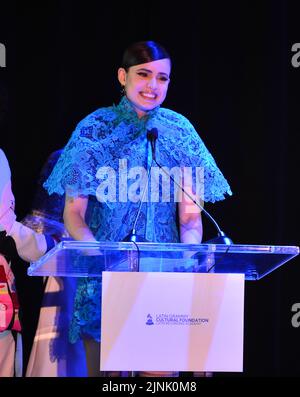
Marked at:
<point>133,237</point>
<point>152,134</point>
<point>221,239</point>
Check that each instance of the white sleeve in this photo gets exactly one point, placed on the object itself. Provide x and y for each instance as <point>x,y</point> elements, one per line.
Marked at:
<point>5,173</point>
<point>7,200</point>
<point>30,245</point>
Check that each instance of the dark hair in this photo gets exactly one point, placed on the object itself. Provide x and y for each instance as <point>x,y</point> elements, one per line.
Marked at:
<point>143,52</point>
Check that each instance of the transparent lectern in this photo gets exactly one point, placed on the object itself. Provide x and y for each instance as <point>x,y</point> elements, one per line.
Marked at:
<point>89,259</point>
<point>166,306</point>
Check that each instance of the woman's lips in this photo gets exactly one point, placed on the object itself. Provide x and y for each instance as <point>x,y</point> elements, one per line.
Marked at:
<point>147,95</point>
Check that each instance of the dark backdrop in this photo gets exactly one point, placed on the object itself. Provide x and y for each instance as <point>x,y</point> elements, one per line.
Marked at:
<point>232,77</point>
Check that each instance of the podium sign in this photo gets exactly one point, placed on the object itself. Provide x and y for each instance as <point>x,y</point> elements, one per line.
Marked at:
<point>155,321</point>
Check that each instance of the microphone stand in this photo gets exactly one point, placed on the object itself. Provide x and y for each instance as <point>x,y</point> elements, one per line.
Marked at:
<point>132,236</point>
<point>221,238</point>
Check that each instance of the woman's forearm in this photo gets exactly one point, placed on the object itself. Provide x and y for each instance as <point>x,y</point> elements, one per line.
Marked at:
<point>191,232</point>
<point>77,227</point>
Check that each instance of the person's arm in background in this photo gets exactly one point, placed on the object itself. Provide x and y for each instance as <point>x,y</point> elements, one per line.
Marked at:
<point>74,218</point>
<point>29,244</point>
<point>7,200</point>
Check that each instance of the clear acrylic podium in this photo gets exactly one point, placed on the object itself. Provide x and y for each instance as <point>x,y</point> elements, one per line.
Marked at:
<point>142,292</point>
<point>83,259</point>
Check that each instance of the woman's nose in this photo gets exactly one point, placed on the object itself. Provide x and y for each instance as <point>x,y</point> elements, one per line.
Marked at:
<point>152,83</point>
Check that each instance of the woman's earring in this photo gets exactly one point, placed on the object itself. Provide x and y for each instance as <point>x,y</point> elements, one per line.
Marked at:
<point>122,91</point>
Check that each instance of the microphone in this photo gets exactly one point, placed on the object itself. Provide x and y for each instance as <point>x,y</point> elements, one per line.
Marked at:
<point>152,136</point>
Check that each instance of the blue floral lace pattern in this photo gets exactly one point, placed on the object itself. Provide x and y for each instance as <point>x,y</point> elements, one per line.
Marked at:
<point>101,139</point>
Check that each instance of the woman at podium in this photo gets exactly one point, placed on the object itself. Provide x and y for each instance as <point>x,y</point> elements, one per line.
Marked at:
<point>104,172</point>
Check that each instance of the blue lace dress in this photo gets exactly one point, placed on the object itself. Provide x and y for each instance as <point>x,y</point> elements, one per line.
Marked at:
<point>114,137</point>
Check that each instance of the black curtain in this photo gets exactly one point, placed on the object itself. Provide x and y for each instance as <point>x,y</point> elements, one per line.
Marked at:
<point>232,77</point>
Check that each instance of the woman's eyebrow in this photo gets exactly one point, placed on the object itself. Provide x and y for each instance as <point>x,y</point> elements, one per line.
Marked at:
<point>150,71</point>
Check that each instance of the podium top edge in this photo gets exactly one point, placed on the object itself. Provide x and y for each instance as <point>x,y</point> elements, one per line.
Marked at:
<point>143,246</point>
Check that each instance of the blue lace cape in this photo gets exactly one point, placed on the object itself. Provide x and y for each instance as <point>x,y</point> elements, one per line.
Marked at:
<point>101,140</point>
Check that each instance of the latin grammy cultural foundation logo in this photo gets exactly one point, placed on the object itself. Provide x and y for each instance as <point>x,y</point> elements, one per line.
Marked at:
<point>175,319</point>
<point>149,320</point>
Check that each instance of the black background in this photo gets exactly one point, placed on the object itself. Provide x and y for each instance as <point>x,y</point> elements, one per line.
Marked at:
<point>232,77</point>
